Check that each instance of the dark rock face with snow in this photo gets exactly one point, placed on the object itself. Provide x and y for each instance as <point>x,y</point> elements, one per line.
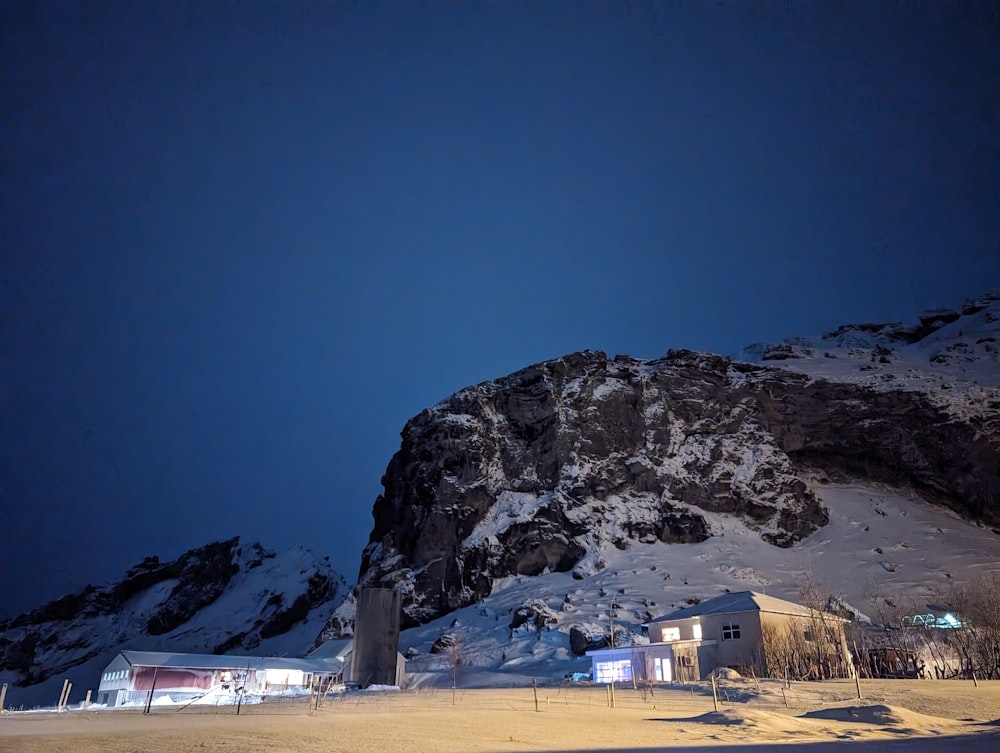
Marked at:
<point>223,597</point>
<point>538,471</point>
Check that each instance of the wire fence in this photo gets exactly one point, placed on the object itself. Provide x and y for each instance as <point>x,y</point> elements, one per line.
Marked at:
<point>690,699</point>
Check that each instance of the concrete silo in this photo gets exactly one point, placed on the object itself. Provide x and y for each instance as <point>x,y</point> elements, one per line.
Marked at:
<point>375,655</point>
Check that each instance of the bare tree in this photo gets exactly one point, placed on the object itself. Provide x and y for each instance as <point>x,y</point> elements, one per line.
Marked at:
<point>974,629</point>
<point>824,634</point>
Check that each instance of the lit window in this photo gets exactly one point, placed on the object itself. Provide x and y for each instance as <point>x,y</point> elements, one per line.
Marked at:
<point>731,632</point>
<point>671,634</point>
<point>696,631</point>
<point>613,671</point>
<point>661,668</point>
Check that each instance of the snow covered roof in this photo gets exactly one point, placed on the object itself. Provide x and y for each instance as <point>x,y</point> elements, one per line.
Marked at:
<point>337,648</point>
<point>224,661</point>
<point>740,601</point>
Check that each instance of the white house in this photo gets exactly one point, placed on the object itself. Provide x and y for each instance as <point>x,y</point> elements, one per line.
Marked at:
<point>743,629</point>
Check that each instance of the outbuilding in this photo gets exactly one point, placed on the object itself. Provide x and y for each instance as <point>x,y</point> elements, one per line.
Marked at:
<point>342,650</point>
<point>132,676</point>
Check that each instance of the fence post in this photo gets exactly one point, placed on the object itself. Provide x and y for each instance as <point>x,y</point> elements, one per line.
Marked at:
<point>3,695</point>
<point>534,687</point>
<point>152,689</point>
<point>715,696</point>
<point>857,681</point>
<point>86,702</point>
<point>62,695</point>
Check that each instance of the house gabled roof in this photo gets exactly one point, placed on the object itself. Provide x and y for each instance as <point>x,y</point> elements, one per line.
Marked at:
<point>223,661</point>
<point>734,603</point>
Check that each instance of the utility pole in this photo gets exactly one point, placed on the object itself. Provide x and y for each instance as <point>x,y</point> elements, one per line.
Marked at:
<point>152,689</point>
<point>241,691</point>
<point>614,668</point>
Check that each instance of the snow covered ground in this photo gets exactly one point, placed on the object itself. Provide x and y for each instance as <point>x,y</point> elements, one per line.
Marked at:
<point>879,542</point>
<point>893,716</point>
<point>957,365</point>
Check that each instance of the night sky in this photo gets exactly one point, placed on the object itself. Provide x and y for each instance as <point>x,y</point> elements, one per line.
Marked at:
<point>242,243</point>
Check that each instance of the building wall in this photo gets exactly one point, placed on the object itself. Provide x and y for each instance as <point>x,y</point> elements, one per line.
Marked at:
<point>644,662</point>
<point>708,658</point>
<point>684,662</point>
<point>173,678</point>
<point>687,667</point>
<point>731,650</point>
<point>688,630</point>
<point>114,681</point>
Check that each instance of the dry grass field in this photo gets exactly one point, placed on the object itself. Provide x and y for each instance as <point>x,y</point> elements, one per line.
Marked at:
<point>897,715</point>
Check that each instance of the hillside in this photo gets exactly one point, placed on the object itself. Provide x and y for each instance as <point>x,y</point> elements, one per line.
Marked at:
<point>223,597</point>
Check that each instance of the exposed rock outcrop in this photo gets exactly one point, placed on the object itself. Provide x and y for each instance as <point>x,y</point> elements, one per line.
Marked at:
<point>584,638</point>
<point>538,471</point>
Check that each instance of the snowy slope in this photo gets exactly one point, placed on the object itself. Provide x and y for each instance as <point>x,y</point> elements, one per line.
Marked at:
<point>951,355</point>
<point>879,542</point>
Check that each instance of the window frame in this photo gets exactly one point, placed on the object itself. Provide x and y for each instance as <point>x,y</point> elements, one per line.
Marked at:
<point>674,632</point>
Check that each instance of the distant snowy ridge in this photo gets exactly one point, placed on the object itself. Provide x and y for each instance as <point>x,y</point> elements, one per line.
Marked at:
<point>541,471</point>
<point>222,597</point>
<point>943,350</point>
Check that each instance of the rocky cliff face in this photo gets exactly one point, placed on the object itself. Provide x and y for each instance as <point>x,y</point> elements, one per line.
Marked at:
<point>540,470</point>
<point>223,597</point>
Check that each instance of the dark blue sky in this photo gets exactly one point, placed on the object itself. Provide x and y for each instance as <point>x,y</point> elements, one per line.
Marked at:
<point>242,243</point>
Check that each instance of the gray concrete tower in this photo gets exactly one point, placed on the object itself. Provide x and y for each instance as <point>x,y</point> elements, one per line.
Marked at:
<point>376,637</point>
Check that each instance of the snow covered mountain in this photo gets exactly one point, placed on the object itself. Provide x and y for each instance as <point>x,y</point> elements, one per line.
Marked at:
<point>223,597</point>
<point>726,471</point>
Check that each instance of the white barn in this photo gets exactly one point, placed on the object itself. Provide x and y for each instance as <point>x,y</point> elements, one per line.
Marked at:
<point>133,675</point>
